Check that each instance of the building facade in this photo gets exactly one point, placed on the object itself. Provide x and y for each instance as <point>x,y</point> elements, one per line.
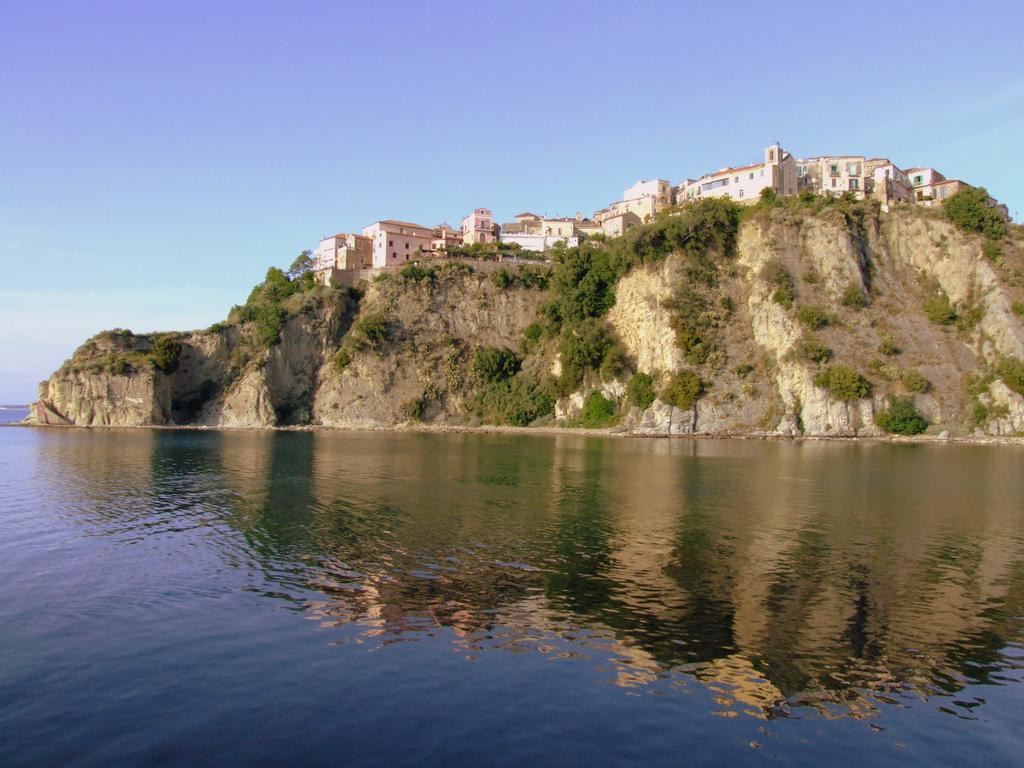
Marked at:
<point>615,226</point>
<point>343,251</point>
<point>478,227</point>
<point>396,242</point>
<point>833,175</point>
<point>445,237</point>
<point>744,184</point>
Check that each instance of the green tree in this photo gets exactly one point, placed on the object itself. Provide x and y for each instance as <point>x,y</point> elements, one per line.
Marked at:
<point>969,210</point>
<point>598,411</point>
<point>901,418</point>
<point>269,321</point>
<point>166,351</point>
<point>640,390</point>
<point>303,262</point>
<point>494,364</point>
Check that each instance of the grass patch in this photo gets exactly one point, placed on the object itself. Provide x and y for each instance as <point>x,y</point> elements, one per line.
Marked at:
<point>854,298</point>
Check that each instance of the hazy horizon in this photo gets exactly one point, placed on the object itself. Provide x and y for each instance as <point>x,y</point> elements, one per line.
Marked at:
<point>158,159</point>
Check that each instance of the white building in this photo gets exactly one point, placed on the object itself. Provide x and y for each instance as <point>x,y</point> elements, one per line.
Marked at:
<point>343,251</point>
<point>744,184</point>
<point>539,242</point>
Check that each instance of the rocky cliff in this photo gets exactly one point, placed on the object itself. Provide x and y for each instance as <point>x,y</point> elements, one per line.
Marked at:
<point>803,321</point>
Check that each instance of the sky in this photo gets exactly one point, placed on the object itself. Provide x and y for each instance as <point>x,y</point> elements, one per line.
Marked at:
<point>156,158</point>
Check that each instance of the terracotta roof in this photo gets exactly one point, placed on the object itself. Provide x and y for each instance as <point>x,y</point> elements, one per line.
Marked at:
<point>524,215</point>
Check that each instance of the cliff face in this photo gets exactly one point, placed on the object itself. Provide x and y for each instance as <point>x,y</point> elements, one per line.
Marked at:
<point>857,288</point>
<point>897,264</point>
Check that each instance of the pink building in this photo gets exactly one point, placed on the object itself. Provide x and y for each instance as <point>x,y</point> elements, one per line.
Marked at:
<point>478,227</point>
<point>396,242</point>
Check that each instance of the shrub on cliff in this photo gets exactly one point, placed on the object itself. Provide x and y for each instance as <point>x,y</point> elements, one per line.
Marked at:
<point>583,282</point>
<point>492,364</point>
<point>888,346</point>
<point>694,321</point>
<point>517,401</point>
<point>414,408</point>
<point>813,318</point>
<point>583,347</point>
<point>843,382</point>
<point>969,210</point>
<point>777,276</point>
<point>854,298</point>
<point>598,411</point>
<point>414,273</point>
<point>166,351</point>
<point>915,382</point>
<point>269,320</point>
<point>640,391</point>
<point>939,309</point>
<point>615,364</point>
<point>1011,371</point>
<point>684,390</point>
<point>373,328</point>
<point>532,336</point>
<point>813,351</point>
<point>901,418</point>
<point>342,359</point>
<point>694,229</point>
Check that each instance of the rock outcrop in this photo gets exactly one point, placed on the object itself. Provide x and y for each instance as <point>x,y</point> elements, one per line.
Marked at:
<point>400,349</point>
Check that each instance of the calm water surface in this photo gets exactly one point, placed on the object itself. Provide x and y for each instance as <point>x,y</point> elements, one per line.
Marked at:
<point>251,598</point>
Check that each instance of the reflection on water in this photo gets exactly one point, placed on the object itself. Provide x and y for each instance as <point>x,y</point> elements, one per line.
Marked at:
<point>784,577</point>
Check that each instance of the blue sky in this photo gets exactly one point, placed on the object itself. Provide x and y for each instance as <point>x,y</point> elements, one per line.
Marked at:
<point>156,158</point>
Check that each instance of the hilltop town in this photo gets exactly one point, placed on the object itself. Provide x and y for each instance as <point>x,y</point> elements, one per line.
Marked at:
<point>838,296</point>
<point>345,258</point>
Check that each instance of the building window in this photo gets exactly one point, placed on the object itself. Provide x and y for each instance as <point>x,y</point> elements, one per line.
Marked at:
<point>741,193</point>
<point>707,186</point>
<point>854,184</point>
<point>394,254</point>
<point>736,180</point>
<point>751,175</point>
<point>833,182</point>
<point>918,180</point>
<point>407,246</point>
<point>390,243</point>
<point>833,169</point>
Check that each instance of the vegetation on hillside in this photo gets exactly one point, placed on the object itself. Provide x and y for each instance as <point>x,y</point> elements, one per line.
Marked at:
<point>969,210</point>
<point>901,418</point>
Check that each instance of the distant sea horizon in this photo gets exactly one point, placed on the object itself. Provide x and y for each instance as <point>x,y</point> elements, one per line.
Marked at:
<point>12,413</point>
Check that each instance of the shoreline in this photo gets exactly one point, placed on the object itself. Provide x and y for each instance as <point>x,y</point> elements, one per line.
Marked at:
<point>551,431</point>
